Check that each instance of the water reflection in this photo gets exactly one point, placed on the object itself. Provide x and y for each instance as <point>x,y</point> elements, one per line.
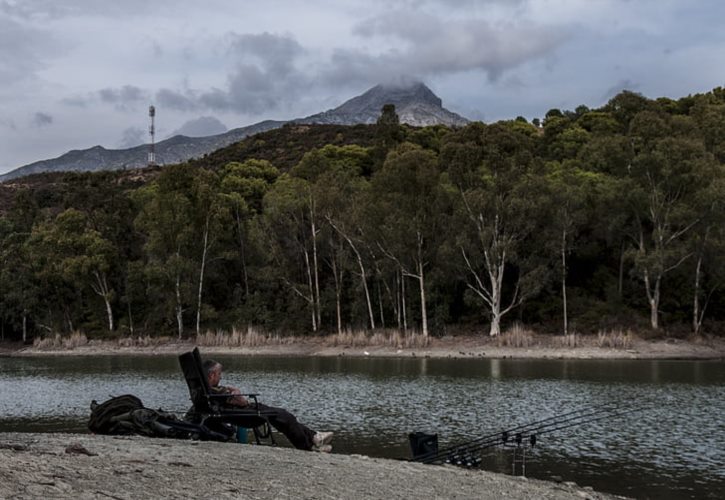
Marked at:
<point>674,449</point>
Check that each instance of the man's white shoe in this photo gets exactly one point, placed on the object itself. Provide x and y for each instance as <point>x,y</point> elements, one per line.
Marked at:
<point>322,438</point>
<point>325,448</point>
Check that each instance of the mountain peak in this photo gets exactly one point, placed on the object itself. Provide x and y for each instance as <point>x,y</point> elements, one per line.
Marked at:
<point>414,102</point>
<point>400,96</point>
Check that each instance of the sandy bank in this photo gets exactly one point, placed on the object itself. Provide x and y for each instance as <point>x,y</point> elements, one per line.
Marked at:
<point>446,347</point>
<point>87,466</point>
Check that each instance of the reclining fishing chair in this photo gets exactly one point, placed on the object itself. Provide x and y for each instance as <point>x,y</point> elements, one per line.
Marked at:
<point>210,408</point>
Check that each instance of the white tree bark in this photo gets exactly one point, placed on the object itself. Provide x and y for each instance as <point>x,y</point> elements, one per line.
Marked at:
<point>311,289</point>
<point>423,309</point>
<point>205,250</point>
<point>101,288</point>
<point>314,232</point>
<point>179,306</point>
<point>363,273</point>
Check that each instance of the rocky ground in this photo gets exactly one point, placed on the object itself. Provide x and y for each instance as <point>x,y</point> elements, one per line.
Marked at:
<point>88,466</point>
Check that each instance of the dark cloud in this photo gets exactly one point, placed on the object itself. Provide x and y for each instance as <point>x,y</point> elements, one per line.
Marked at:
<point>200,127</point>
<point>172,99</point>
<point>126,97</point>
<point>41,119</point>
<point>275,53</point>
<point>132,137</point>
<point>430,46</point>
<point>264,76</point>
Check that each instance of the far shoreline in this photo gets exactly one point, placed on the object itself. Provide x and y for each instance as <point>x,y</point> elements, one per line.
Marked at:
<point>458,347</point>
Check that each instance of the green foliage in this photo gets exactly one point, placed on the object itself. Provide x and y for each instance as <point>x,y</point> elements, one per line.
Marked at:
<point>327,227</point>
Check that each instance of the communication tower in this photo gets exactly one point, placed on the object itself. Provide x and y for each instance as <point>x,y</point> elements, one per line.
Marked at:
<point>152,132</point>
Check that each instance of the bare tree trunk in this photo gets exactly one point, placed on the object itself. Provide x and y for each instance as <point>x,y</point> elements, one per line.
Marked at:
<point>653,298</point>
<point>311,289</point>
<point>563,281</point>
<point>402,295</point>
<point>696,321</point>
<point>338,293</point>
<point>423,309</point>
<point>25,327</point>
<point>314,262</point>
<point>380,304</point>
<point>338,310</point>
<point>109,312</point>
<point>130,319</point>
<point>653,294</point>
<point>201,274</point>
<point>179,308</point>
<point>68,320</point>
<point>100,287</point>
<point>363,274</point>
<point>398,308</point>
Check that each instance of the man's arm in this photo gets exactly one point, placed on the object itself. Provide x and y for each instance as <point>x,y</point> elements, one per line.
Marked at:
<point>237,399</point>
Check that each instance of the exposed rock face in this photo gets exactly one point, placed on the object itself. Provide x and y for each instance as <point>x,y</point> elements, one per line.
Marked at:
<point>416,105</point>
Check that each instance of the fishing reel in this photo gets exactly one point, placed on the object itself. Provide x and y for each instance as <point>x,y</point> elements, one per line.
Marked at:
<point>518,439</point>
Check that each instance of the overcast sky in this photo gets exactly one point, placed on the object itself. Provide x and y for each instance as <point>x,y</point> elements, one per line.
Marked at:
<point>76,73</point>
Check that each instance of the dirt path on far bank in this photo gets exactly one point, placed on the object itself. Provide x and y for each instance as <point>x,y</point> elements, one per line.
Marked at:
<point>543,347</point>
<point>87,466</point>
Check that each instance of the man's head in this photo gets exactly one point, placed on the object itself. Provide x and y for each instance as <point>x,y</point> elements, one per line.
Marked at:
<point>213,370</point>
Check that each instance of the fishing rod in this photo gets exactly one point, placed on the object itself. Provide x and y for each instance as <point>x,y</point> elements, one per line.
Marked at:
<point>580,413</point>
<point>531,435</point>
<point>526,431</point>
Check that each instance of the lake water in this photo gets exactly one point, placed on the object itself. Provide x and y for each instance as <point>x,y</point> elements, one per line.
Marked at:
<point>675,448</point>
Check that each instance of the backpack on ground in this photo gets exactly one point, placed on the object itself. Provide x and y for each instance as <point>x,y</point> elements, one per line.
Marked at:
<point>114,416</point>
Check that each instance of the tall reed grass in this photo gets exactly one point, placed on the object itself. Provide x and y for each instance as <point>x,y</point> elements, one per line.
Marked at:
<point>568,340</point>
<point>57,341</point>
<point>616,339</point>
<point>145,341</point>
<point>251,337</point>
<point>378,338</point>
<point>516,336</point>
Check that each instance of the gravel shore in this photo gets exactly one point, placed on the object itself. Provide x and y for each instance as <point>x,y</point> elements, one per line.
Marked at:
<point>89,466</point>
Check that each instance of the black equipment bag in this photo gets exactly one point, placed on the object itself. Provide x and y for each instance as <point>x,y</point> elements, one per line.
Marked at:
<point>422,444</point>
<point>110,417</point>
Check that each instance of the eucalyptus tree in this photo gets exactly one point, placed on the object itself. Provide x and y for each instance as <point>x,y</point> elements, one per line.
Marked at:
<point>408,205</point>
<point>19,290</point>
<point>68,251</point>
<point>499,208</point>
<point>668,172</point>
<point>571,196</point>
<point>209,212</point>
<point>165,219</point>
<point>339,187</point>
<point>708,247</point>
<point>290,217</point>
<point>243,186</point>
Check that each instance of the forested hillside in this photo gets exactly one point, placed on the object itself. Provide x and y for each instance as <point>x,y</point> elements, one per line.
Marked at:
<point>589,220</point>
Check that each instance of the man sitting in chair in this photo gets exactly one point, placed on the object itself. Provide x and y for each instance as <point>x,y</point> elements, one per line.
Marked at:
<point>301,436</point>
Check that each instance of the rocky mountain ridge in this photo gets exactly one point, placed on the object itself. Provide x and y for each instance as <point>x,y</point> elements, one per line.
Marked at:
<point>415,104</point>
